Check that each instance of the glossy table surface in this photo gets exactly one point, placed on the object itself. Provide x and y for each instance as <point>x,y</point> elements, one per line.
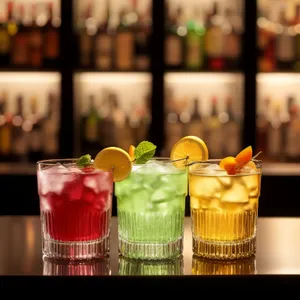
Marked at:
<point>276,264</point>
<point>278,252</point>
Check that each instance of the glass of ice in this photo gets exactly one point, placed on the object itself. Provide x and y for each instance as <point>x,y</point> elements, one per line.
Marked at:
<point>75,209</point>
<point>224,209</point>
<point>151,209</point>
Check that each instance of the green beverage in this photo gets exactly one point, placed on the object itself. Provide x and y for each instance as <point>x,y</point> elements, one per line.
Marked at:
<point>151,209</point>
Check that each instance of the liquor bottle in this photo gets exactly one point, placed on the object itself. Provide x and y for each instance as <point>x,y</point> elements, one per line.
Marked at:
<point>285,43</point>
<point>87,32</point>
<point>174,43</point>
<point>104,43</point>
<point>51,39</point>
<point>214,40</point>
<point>50,128</point>
<point>266,43</point>
<point>173,125</point>
<point>20,138</point>
<point>196,125</point>
<point>35,40</point>
<point>230,130</point>
<point>5,130</point>
<point>4,40</point>
<point>232,36</point>
<point>35,135</point>
<point>107,126</point>
<point>124,47</point>
<point>296,24</point>
<point>262,121</point>
<point>194,42</point>
<point>91,127</point>
<point>275,134</point>
<point>142,40</point>
<point>213,134</point>
<point>123,129</point>
<point>292,145</point>
<point>20,42</point>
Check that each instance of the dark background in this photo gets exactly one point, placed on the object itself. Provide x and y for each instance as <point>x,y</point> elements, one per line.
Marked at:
<point>279,192</point>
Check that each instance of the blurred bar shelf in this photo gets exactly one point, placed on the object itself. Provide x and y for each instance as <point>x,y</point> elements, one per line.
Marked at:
<point>281,169</point>
<point>17,168</point>
<point>93,70</point>
<point>42,70</point>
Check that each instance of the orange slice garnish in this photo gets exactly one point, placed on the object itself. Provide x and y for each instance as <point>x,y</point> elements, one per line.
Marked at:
<point>244,156</point>
<point>229,164</point>
<point>131,152</point>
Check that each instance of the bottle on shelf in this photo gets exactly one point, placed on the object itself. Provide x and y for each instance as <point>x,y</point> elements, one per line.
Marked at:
<point>36,40</point>
<point>19,133</point>
<point>4,40</point>
<point>104,42</point>
<point>5,129</point>
<point>50,128</point>
<point>124,41</point>
<point>194,42</point>
<point>214,40</point>
<point>51,38</point>
<point>213,133</point>
<point>174,42</point>
<point>87,31</point>
<point>231,130</point>
<point>35,134</point>
<point>90,125</point>
<point>285,42</point>
<point>143,39</point>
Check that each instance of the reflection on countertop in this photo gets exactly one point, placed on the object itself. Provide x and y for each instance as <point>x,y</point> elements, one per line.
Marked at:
<point>278,252</point>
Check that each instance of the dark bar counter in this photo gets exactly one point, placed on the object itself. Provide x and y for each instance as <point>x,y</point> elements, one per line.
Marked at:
<point>275,266</point>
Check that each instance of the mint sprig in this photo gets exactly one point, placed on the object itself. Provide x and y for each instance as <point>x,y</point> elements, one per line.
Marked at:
<point>144,152</point>
<point>84,160</point>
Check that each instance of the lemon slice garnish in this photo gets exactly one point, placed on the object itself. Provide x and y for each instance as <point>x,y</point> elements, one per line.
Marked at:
<point>187,150</point>
<point>115,159</point>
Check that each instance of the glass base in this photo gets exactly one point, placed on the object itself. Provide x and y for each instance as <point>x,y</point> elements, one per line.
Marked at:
<point>224,250</point>
<point>76,250</point>
<point>151,251</point>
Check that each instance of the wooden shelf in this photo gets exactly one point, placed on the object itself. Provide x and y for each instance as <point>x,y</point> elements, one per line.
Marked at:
<point>17,168</point>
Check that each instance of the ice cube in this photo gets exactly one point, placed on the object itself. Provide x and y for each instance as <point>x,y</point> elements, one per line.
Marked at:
<point>139,200</point>
<point>164,193</point>
<point>177,182</point>
<point>252,184</point>
<point>74,189</point>
<point>205,187</point>
<point>163,207</point>
<point>45,205</point>
<point>226,181</point>
<point>195,202</point>
<point>92,182</point>
<point>215,205</point>
<point>238,193</point>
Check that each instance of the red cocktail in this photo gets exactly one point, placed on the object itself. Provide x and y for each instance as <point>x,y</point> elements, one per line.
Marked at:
<point>75,206</point>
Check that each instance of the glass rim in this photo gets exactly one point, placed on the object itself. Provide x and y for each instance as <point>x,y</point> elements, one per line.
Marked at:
<point>258,164</point>
<point>51,162</point>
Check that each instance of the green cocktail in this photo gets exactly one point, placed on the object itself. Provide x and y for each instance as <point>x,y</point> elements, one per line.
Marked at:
<point>151,209</point>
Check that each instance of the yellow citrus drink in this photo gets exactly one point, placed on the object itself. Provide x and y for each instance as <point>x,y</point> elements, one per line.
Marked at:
<point>224,209</point>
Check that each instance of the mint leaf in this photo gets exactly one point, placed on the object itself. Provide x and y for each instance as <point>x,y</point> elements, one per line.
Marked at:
<point>84,161</point>
<point>143,152</point>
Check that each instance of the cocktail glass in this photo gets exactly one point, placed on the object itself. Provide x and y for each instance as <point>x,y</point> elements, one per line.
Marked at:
<point>75,208</point>
<point>151,210</point>
<point>224,209</point>
<point>138,267</point>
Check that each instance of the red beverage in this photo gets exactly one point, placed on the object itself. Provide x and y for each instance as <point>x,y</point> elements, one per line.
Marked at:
<point>75,207</point>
